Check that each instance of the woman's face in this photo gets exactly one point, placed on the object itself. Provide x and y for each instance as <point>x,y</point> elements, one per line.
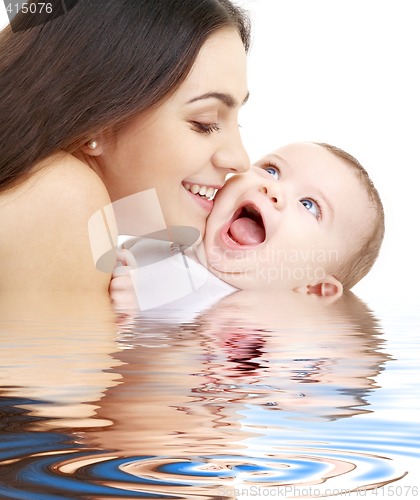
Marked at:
<point>190,142</point>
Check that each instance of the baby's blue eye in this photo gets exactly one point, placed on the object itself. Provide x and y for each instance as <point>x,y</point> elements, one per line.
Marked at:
<point>311,206</point>
<point>273,171</point>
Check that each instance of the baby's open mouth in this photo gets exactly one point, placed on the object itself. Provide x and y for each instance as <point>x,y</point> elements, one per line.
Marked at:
<point>247,226</point>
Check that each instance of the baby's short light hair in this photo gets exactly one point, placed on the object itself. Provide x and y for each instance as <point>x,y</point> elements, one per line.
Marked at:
<point>364,255</point>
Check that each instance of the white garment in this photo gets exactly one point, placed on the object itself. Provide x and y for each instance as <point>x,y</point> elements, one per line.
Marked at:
<point>170,285</point>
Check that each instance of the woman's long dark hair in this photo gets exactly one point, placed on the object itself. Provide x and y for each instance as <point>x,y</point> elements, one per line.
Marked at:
<point>96,66</point>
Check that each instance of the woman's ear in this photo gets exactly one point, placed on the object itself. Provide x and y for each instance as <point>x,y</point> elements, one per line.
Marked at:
<point>94,147</point>
<point>329,288</point>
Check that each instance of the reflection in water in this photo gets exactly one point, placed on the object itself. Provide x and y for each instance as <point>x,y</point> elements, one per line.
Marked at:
<point>257,391</point>
<point>316,361</point>
<point>56,351</point>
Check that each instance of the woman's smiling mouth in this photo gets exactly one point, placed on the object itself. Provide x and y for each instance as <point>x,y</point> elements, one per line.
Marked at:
<point>203,191</point>
<point>201,194</point>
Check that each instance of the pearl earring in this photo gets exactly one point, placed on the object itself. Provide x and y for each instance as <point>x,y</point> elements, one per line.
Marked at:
<point>92,144</point>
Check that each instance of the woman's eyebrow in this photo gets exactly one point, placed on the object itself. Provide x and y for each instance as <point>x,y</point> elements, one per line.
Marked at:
<point>226,99</point>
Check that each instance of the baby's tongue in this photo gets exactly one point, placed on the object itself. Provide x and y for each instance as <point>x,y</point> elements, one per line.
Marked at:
<point>246,231</point>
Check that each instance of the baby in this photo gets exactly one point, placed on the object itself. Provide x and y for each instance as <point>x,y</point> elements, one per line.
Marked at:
<point>305,218</point>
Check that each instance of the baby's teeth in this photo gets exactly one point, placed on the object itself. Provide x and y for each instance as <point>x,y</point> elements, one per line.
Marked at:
<point>187,186</point>
<point>209,192</point>
<point>195,189</point>
<point>203,191</point>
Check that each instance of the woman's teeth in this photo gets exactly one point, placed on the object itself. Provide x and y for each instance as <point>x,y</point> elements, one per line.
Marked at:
<point>204,191</point>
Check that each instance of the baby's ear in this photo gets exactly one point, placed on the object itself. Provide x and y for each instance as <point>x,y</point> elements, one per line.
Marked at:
<point>329,288</point>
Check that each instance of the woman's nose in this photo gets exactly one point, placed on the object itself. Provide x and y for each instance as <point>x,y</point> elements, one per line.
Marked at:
<point>232,156</point>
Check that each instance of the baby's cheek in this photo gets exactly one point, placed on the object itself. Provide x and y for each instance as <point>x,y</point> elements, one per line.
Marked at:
<point>200,252</point>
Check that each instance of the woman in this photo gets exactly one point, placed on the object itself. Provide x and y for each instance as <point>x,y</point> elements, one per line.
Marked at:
<point>110,99</point>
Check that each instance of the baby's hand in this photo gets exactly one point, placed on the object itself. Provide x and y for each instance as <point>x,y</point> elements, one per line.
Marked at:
<point>121,288</point>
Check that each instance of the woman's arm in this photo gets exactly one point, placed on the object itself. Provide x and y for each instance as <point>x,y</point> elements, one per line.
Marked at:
<point>44,237</point>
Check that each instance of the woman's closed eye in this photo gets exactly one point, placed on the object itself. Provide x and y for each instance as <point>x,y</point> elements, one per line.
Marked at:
<point>312,206</point>
<point>205,128</point>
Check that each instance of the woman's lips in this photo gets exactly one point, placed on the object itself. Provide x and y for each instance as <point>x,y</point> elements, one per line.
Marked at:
<point>202,194</point>
<point>204,203</point>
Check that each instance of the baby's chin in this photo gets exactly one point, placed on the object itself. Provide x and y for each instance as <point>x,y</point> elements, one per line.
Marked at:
<point>200,255</point>
<point>246,276</point>
<point>235,278</point>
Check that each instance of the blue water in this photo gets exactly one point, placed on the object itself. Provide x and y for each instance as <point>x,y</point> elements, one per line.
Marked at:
<point>246,400</point>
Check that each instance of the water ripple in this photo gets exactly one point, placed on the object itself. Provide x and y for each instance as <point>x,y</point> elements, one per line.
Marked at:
<point>96,475</point>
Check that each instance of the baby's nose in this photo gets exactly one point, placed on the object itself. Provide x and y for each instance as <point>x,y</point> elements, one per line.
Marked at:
<point>273,193</point>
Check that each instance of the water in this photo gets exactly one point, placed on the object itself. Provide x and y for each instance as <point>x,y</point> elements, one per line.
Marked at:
<point>258,397</point>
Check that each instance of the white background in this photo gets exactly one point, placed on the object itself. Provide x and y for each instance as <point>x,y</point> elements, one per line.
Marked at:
<point>344,72</point>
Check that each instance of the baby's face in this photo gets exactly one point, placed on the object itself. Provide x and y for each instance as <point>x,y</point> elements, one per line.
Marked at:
<point>290,220</point>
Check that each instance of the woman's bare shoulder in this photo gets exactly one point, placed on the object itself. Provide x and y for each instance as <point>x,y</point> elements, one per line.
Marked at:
<point>61,170</point>
<point>44,227</point>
